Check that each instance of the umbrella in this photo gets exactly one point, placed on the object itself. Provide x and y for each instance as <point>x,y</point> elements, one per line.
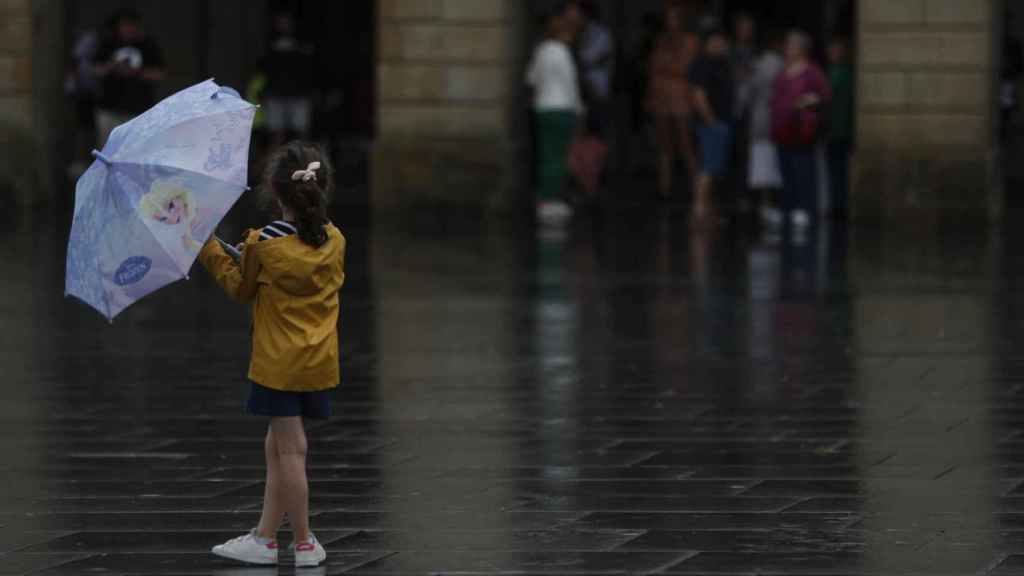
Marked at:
<point>156,191</point>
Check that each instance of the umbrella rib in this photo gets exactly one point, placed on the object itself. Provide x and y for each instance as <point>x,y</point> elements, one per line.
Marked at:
<point>199,116</point>
<point>145,165</point>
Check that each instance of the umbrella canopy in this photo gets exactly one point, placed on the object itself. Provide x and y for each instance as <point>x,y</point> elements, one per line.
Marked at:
<point>158,189</point>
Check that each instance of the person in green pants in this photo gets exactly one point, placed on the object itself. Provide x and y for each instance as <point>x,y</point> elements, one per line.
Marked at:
<point>557,103</point>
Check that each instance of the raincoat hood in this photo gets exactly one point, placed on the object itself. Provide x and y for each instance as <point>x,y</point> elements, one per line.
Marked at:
<point>298,269</point>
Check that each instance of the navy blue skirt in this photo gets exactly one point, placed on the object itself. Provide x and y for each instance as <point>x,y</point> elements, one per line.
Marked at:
<point>265,401</point>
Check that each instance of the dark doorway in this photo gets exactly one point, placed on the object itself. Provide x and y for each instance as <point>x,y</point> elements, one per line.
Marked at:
<point>226,40</point>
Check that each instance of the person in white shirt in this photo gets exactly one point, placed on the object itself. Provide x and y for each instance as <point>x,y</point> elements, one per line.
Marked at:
<point>557,104</point>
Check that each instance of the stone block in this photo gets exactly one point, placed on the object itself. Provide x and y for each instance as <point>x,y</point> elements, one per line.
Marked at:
<point>474,10</point>
<point>389,43</point>
<point>15,75</point>
<point>414,173</point>
<point>951,91</point>
<point>410,82</point>
<point>440,83</point>
<point>900,49</point>
<point>446,43</point>
<point>16,36</point>
<point>958,12</point>
<point>953,131</point>
<point>889,12</point>
<point>411,9</point>
<point>14,9</point>
<point>884,89</point>
<point>8,83</point>
<point>475,83</point>
<point>949,185</point>
<point>16,111</point>
<point>879,131</point>
<point>399,120</point>
<point>966,49</point>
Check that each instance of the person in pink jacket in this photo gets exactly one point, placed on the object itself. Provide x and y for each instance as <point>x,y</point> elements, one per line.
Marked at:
<point>801,91</point>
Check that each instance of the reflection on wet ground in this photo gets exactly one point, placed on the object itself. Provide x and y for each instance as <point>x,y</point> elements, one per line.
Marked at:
<point>623,398</point>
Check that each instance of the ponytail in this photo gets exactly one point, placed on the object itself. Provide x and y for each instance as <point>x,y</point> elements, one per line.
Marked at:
<point>305,197</point>
<point>309,205</point>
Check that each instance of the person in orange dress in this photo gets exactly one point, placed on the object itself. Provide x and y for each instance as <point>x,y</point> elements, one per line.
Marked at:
<point>669,97</point>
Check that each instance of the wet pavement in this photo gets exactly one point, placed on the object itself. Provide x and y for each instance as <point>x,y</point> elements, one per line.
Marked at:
<point>623,399</point>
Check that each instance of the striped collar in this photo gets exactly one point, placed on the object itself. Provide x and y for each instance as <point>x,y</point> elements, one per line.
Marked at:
<point>278,229</point>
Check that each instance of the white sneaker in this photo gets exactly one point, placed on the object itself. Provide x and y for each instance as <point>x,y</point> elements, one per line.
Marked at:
<point>309,553</point>
<point>801,219</point>
<point>554,212</point>
<point>771,216</point>
<point>248,549</point>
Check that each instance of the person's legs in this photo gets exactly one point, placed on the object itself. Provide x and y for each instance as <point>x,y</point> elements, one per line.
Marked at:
<point>839,177</point>
<point>788,201</point>
<point>301,112</point>
<point>807,181</point>
<point>556,131</point>
<point>292,486</point>
<point>273,507</point>
<point>106,121</point>
<point>664,130</point>
<point>275,112</point>
<point>688,146</point>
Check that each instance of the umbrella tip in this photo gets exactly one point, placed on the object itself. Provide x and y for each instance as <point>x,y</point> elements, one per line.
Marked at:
<point>101,157</point>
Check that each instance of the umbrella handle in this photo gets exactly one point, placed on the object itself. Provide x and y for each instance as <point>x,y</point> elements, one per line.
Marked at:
<point>102,157</point>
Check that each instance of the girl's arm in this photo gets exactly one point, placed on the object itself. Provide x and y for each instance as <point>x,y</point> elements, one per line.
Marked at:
<point>239,280</point>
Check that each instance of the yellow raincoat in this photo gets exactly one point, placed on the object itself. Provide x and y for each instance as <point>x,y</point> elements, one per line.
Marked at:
<point>294,288</point>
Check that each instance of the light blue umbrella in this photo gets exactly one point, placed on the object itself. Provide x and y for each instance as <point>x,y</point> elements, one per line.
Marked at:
<point>160,186</point>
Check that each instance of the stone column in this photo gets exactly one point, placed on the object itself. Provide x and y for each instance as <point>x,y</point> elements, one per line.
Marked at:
<point>446,71</point>
<point>926,105</point>
<point>16,173</point>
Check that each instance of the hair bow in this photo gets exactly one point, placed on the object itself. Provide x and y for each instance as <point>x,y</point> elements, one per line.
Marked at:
<point>308,174</point>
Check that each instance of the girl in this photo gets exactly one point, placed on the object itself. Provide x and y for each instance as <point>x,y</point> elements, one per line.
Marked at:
<point>292,271</point>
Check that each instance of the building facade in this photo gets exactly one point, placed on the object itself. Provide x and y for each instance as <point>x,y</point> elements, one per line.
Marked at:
<point>451,109</point>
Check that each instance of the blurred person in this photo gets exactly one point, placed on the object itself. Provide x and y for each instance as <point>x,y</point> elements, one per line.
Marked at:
<point>1010,74</point>
<point>130,65</point>
<point>764,175</point>
<point>558,105</point>
<point>799,94</point>
<point>292,270</point>
<point>596,48</point>
<point>711,81</point>
<point>840,125</point>
<point>83,87</point>
<point>742,56</point>
<point>289,71</point>
<point>744,48</point>
<point>669,97</point>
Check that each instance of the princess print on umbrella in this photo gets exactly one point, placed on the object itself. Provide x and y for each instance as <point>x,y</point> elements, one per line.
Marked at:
<point>169,203</point>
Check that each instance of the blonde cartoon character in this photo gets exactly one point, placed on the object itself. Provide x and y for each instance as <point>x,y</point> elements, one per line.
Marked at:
<point>170,203</point>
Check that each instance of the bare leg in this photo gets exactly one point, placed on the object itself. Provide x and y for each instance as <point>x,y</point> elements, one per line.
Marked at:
<point>293,487</point>
<point>666,154</point>
<point>687,146</point>
<point>702,199</point>
<point>273,508</point>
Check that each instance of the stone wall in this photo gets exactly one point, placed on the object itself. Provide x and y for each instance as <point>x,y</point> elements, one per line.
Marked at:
<point>445,75</point>
<point>17,174</point>
<point>926,104</point>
